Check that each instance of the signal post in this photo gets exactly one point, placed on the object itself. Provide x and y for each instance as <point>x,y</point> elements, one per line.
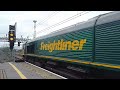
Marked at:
<point>12,38</point>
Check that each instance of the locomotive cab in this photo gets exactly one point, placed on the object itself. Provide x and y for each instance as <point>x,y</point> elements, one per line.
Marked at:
<point>30,48</point>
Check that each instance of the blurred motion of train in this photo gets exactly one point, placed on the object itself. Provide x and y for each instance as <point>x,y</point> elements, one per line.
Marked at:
<point>91,47</point>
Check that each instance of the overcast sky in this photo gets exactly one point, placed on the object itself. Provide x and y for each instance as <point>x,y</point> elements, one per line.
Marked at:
<point>25,25</point>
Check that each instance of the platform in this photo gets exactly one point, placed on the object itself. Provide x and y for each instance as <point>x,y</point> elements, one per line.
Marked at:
<point>23,70</point>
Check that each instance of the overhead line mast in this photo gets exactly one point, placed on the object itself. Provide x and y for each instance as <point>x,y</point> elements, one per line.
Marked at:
<point>44,20</point>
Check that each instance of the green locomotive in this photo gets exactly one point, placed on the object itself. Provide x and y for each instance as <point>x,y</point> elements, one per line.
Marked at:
<point>92,46</point>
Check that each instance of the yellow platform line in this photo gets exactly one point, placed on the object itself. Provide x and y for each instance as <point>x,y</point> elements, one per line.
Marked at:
<point>19,73</point>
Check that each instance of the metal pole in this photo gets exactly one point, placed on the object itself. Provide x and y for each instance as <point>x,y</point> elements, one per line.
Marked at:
<point>34,28</point>
<point>14,54</point>
<point>15,41</point>
<point>21,39</point>
<point>6,40</point>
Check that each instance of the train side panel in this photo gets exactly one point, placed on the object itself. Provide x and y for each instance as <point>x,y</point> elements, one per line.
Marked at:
<point>107,39</point>
<point>74,46</point>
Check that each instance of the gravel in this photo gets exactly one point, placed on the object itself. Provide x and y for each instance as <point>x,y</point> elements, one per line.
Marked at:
<point>5,55</point>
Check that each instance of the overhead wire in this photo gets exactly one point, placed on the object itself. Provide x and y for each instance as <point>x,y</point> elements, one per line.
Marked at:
<point>45,19</point>
<point>64,21</point>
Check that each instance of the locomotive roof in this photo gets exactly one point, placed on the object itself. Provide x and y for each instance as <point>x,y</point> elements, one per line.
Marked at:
<point>104,18</point>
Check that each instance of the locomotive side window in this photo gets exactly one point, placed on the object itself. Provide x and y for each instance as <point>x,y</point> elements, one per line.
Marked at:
<point>30,49</point>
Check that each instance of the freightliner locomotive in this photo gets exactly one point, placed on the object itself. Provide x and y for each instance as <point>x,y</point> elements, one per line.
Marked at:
<point>92,47</point>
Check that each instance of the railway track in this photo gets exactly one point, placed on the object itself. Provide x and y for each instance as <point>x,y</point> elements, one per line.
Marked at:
<point>63,72</point>
<point>67,73</point>
<point>20,59</point>
<point>47,70</point>
<point>70,74</point>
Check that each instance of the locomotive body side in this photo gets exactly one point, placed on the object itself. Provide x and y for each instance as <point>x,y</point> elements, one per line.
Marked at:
<point>94,44</point>
<point>72,44</point>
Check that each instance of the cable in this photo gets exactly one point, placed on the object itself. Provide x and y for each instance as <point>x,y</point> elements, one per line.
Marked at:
<point>64,21</point>
<point>53,14</point>
<point>45,19</point>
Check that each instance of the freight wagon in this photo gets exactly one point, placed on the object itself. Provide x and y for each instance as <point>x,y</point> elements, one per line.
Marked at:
<point>92,47</point>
